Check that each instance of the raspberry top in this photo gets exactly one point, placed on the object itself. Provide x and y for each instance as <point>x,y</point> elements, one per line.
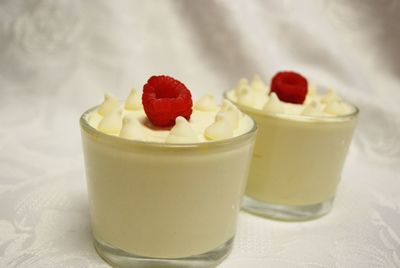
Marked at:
<point>289,87</point>
<point>164,99</point>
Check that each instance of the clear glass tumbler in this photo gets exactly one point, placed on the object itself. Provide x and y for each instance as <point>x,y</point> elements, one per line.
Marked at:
<point>297,163</point>
<point>164,205</point>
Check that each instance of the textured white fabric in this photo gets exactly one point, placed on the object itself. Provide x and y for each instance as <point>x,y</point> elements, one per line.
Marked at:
<point>57,58</point>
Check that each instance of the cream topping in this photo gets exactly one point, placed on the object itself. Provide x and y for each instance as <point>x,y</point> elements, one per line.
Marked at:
<point>220,129</point>
<point>274,105</point>
<point>206,103</point>
<point>256,95</point>
<point>329,97</point>
<point>182,132</point>
<point>131,128</point>
<point>232,113</point>
<point>111,123</point>
<point>246,97</point>
<point>312,109</point>
<point>258,85</point>
<point>109,104</point>
<point>207,123</point>
<point>134,101</point>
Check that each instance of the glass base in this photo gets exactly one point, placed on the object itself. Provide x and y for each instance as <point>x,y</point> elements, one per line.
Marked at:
<point>120,258</point>
<point>286,212</point>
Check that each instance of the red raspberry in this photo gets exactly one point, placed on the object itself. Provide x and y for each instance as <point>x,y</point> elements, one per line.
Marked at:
<point>290,87</point>
<point>164,99</point>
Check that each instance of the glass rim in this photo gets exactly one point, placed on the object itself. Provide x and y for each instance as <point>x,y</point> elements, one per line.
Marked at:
<point>297,118</point>
<point>85,126</point>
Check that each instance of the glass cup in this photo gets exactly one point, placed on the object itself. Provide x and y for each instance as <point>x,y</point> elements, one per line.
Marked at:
<point>164,205</point>
<point>297,163</point>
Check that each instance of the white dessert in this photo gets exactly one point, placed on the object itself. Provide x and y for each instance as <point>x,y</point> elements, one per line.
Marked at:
<point>174,195</point>
<point>300,148</point>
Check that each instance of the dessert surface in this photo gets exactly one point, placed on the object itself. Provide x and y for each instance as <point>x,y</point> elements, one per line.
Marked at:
<point>168,119</point>
<point>297,98</point>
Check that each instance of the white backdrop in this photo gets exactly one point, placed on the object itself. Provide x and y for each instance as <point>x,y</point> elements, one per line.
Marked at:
<point>58,57</point>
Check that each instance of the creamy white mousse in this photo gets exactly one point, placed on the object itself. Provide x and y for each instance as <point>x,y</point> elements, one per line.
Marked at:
<point>300,148</point>
<point>175,194</point>
<point>129,121</point>
<point>256,95</point>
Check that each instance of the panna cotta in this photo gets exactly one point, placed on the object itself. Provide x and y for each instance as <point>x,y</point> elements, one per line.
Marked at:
<point>165,175</point>
<point>302,141</point>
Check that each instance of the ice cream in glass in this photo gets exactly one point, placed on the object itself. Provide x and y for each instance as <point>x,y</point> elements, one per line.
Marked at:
<point>165,175</point>
<point>302,141</point>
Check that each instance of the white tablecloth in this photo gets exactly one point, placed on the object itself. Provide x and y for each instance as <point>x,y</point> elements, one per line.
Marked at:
<point>57,58</point>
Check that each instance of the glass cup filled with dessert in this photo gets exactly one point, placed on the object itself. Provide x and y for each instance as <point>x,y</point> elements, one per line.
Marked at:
<point>302,141</point>
<point>165,177</point>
